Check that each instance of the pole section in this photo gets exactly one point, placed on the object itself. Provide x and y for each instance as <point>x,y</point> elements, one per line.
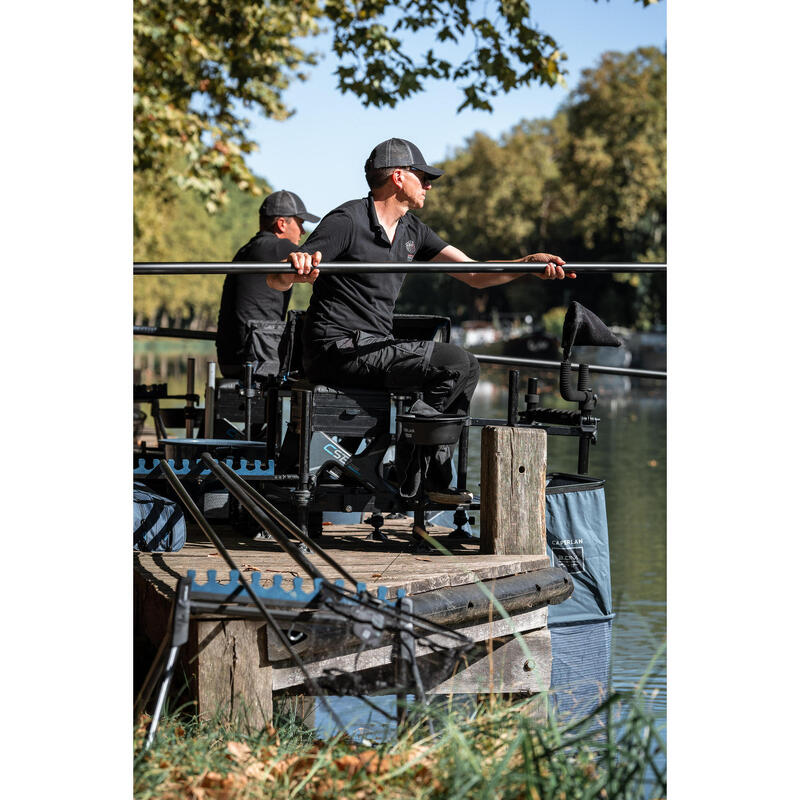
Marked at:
<point>208,431</point>
<point>349,268</point>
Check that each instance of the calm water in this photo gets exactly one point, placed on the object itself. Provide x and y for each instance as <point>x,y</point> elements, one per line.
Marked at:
<point>630,455</point>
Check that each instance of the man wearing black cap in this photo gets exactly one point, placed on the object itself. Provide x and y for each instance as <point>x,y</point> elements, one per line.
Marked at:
<point>347,335</point>
<point>246,299</point>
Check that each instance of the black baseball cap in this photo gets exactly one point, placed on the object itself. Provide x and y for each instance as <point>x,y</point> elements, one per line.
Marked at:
<point>285,204</point>
<point>400,153</point>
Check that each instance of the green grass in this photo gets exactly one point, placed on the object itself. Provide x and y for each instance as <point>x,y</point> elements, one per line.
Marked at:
<point>496,751</point>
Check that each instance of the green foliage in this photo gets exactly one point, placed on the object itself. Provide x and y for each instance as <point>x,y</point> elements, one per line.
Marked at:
<point>588,185</point>
<point>174,226</point>
<point>553,321</point>
<point>198,64</point>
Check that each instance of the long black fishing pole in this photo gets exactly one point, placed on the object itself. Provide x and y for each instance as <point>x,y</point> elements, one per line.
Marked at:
<point>173,333</point>
<point>289,547</point>
<point>410,617</point>
<point>188,503</point>
<point>354,268</point>
<point>536,362</point>
<point>285,522</point>
<point>181,333</point>
<point>237,483</point>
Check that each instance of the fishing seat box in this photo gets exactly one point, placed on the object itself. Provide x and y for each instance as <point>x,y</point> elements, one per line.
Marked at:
<point>339,412</point>
<point>350,411</point>
<point>229,403</point>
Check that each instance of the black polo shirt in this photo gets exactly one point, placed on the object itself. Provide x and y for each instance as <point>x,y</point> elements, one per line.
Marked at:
<point>246,297</point>
<point>344,304</point>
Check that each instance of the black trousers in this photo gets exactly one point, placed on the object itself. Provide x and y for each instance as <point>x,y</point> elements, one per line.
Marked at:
<point>444,373</point>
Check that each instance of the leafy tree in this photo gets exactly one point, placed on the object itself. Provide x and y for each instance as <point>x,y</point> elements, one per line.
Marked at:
<point>614,160</point>
<point>199,65</point>
<point>613,170</point>
<point>590,185</point>
<point>175,226</point>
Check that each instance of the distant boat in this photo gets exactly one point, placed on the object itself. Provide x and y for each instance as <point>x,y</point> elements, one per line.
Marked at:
<point>475,334</point>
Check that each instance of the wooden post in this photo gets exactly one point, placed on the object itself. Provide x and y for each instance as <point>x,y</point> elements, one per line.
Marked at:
<point>513,466</point>
<point>233,677</point>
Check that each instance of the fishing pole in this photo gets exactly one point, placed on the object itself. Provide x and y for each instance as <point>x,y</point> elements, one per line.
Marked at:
<point>281,519</point>
<point>181,333</point>
<point>173,333</point>
<point>402,617</point>
<point>211,535</point>
<point>355,268</point>
<point>598,368</point>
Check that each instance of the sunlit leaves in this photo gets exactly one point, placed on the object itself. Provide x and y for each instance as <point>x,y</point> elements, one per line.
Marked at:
<point>194,62</point>
<point>197,63</point>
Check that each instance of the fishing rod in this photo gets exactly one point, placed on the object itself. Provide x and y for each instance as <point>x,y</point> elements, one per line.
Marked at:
<point>173,333</point>
<point>275,515</point>
<point>211,535</point>
<point>181,333</point>
<point>598,368</point>
<point>355,268</point>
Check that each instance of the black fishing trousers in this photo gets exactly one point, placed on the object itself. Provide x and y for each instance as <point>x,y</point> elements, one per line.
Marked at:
<point>444,373</point>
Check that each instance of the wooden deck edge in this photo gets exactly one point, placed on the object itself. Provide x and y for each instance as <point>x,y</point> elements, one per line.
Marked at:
<point>286,677</point>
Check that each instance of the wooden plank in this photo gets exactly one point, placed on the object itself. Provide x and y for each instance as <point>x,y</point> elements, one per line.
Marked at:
<point>233,676</point>
<point>284,677</point>
<point>518,623</point>
<point>412,574</point>
<point>513,466</point>
<point>272,563</point>
<point>506,669</point>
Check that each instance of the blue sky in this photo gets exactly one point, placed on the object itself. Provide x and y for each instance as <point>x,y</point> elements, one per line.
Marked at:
<point>331,135</point>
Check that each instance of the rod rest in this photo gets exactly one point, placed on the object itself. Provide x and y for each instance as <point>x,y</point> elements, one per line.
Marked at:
<point>555,416</point>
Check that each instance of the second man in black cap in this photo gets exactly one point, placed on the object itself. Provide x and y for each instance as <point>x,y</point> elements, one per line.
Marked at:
<point>246,299</point>
<point>347,335</point>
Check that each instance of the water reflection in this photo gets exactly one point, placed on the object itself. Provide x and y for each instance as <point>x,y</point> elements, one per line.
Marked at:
<point>631,456</point>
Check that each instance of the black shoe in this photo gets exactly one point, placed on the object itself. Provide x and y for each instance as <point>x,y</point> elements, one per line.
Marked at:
<point>450,497</point>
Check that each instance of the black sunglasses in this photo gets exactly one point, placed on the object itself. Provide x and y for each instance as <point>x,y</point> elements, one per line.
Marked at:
<point>424,177</point>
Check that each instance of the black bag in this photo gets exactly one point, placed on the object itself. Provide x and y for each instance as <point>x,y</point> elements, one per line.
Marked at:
<point>274,345</point>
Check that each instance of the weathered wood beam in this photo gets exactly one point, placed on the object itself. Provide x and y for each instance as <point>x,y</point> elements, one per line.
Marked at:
<point>507,668</point>
<point>285,677</point>
<point>513,467</point>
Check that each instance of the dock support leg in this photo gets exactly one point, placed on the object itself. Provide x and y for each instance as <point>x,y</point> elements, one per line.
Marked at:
<point>463,459</point>
<point>233,677</point>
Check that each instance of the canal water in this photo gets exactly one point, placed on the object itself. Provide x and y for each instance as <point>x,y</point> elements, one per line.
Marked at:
<point>630,455</point>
